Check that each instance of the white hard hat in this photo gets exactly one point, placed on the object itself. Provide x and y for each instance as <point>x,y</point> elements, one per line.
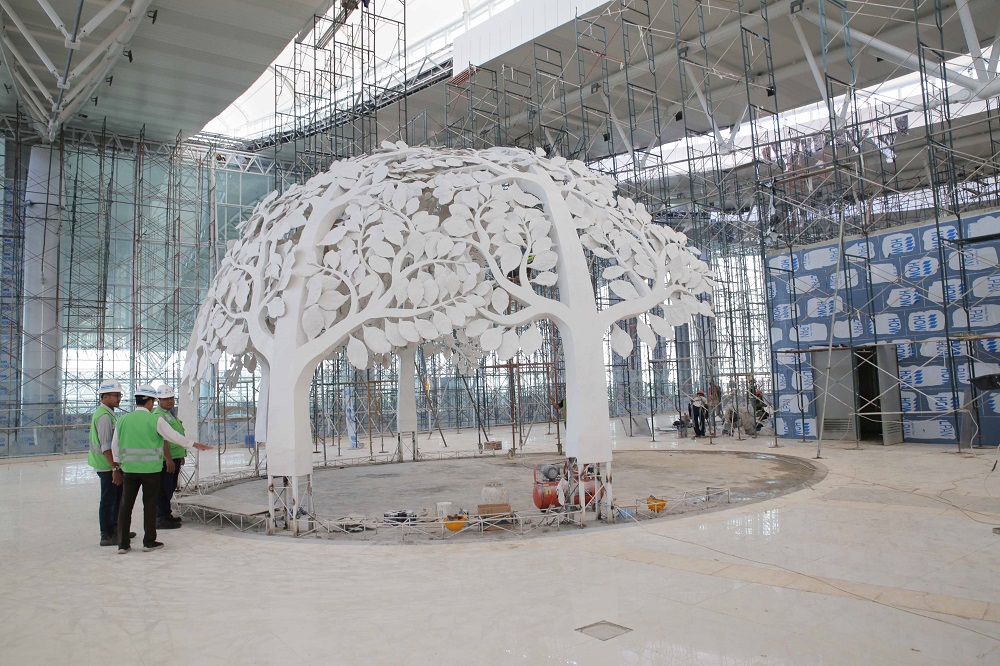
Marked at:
<point>145,390</point>
<point>109,386</point>
<point>165,392</point>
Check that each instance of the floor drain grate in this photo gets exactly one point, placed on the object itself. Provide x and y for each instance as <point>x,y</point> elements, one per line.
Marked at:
<point>604,630</point>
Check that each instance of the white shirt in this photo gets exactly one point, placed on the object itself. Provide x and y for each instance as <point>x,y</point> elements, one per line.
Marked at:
<point>165,431</point>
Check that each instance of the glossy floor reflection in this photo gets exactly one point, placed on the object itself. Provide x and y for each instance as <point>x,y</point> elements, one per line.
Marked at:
<point>891,559</point>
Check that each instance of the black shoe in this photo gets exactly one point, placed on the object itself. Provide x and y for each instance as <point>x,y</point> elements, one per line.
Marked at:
<point>165,524</point>
<point>156,545</point>
<point>114,535</point>
<point>122,551</point>
<point>109,540</point>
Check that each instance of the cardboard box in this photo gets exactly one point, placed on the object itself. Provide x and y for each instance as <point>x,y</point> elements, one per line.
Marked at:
<point>493,509</point>
<point>494,515</point>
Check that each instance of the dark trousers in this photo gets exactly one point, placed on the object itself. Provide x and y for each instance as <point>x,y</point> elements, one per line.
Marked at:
<point>111,499</point>
<point>698,416</point>
<point>150,484</point>
<point>168,484</point>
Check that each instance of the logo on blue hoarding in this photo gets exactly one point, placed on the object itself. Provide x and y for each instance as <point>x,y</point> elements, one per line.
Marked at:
<point>805,428</point>
<point>821,257</point>
<point>851,328</point>
<point>940,348</point>
<point>903,298</point>
<point>908,402</point>
<point>926,321</point>
<point>886,324</point>
<point>930,376</point>
<point>824,307</point>
<point>919,268</point>
<point>899,244</point>
<point>984,315</point>
<point>991,345</point>
<point>932,238</point>
<point>784,262</point>
<point>860,250</point>
<point>954,290</point>
<point>806,283</point>
<point>782,312</point>
<point>943,402</point>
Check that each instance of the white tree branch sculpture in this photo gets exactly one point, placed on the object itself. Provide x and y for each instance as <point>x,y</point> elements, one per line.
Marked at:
<point>458,249</point>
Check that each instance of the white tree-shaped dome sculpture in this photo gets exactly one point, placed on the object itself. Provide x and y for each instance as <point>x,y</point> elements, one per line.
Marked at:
<point>457,248</point>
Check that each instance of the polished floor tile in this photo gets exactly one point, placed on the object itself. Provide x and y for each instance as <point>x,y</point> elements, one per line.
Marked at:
<point>890,559</point>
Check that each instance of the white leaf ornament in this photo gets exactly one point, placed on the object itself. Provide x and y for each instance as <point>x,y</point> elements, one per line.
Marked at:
<point>357,353</point>
<point>491,339</point>
<point>624,289</point>
<point>531,340</point>
<point>645,333</point>
<point>375,340</point>
<point>313,321</point>
<point>546,279</point>
<point>508,346</point>
<point>621,342</point>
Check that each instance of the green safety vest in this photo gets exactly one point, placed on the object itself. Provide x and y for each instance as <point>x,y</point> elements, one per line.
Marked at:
<point>96,457</point>
<point>139,445</point>
<point>176,450</point>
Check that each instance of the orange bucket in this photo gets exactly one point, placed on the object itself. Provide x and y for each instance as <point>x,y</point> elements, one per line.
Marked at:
<point>655,504</point>
<point>455,523</point>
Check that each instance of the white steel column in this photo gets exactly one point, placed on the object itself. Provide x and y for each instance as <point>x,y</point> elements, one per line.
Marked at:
<point>40,341</point>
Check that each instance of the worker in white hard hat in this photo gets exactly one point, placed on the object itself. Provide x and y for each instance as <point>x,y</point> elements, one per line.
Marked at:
<point>102,430</point>
<point>173,460</point>
<point>137,448</point>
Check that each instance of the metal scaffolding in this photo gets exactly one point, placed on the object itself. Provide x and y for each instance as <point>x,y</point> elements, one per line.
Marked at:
<point>789,140</point>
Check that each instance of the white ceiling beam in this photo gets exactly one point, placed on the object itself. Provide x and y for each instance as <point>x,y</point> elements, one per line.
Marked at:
<point>704,103</point>
<point>667,57</point>
<point>29,98</point>
<point>807,51</point>
<point>76,97</point>
<point>98,51</point>
<point>727,146</point>
<point>28,37</point>
<point>20,88</point>
<point>894,53</point>
<point>25,65</point>
<point>994,51</point>
<point>619,127</point>
<point>98,19</point>
<point>54,17</point>
<point>971,39</point>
